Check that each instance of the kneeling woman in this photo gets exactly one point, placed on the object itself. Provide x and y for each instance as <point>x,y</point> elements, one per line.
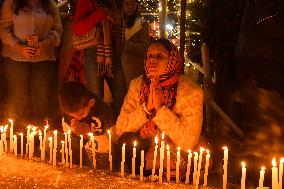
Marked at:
<point>162,100</point>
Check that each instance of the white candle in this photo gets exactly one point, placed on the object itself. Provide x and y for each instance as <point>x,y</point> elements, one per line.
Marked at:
<point>70,148</point>
<point>54,147</point>
<point>155,158</point>
<point>31,146</point>
<point>177,165</point>
<point>22,144</point>
<point>93,150</point>
<point>261,177</point>
<point>142,166</point>
<point>11,134</point>
<point>28,140</point>
<point>66,149</point>
<point>225,166</point>
<point>62,152</point>
<point>188,166</point>
<point>206,168</point>
<point>40,145</point>
<point>15,148</point>
<point>50,149</point>
<point>122,160</point>
<point>44,142</point>
<point>5,138</point>
<point>274,175</point>
<point>281,173</point>
<point>195,168</point>
<point>162,155</point>
<point>81,150</point>
<point>243,180</point>
<point>1,142</point>
<point>109,150</point>
<point>168,163</point>
<point>199,165</point>
<point>133,159</point>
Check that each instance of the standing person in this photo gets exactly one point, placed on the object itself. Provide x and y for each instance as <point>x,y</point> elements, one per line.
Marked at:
<point>136,40</point>
<point>30,34</point>
<point>103,61</point>
<point>162,100</point>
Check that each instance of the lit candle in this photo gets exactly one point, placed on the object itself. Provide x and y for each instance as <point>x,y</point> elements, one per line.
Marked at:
<point>199,165</point>
<point>177,165</point>
<point>225,166</point>
<point>62,152</point>
<point>28,140</point>
<point>281,173</point>
<point>50,149</point>
<point>155,158</point>
<point>243,180</point>
<point>206,168</point>
<point>31,148</point>
<point>15,148</point>
<point>261,177</point>
<point>195,168</point>
<point>22,144</point>
<point>188,167</point>
<point>162,159</point>
<point>81,150</point>
<point>66,149</point>
<point>5,138</point>
<point>44,142</point>
<point>122,160</point>
<point>11,134</point>
<point>70,148</point>
<point>93,150</point>
<point>54,147</point>
<point>40,145</point>
<point>168,163</point>
<point>109,150</point>
<point>133,159</point>
<point>142,166</point>
<point>1,142</point>
<point>274,175</point>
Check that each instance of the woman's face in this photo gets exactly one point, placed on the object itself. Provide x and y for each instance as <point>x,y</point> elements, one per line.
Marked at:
<point>129,7</point>
<point>157,60</point>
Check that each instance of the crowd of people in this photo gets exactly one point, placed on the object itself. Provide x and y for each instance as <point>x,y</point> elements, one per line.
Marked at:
<point>103,41</point>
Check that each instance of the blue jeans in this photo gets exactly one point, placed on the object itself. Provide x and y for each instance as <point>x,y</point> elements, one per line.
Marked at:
<point>95,83</point>
<point>28,82</point>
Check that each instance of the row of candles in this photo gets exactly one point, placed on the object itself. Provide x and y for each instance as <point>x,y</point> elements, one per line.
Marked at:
<point>66,151</point>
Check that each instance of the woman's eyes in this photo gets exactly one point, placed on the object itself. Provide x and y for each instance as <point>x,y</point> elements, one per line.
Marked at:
<point>158,56</point>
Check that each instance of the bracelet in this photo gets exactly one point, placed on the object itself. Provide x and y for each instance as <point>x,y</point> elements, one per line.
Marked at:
<point>145,109</point>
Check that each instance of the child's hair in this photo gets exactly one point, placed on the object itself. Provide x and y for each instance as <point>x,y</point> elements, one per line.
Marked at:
<point>73,96</point>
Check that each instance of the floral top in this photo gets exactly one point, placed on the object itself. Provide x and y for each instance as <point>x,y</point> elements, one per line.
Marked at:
<point>182,125</point>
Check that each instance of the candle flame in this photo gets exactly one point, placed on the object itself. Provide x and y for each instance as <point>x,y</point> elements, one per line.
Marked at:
<point>274,163</point>
<point>39,132</point>
<point>168,147</point>
<point>156,139</point>
<point>163,135</point>
<point>201,150</point>
<point>243,164</point>
<point>262,168</point>
<point>21,134</point>
<point>124,145</point>
<point>195,154</point>
<point>135,143</point>
<point>207,151</point>
<point>50,139</point>
<point>69,132</point>
<point>15,136</point>
<point>225,148</point>
<point>178,148</point>
<point>90,134</point>
<point>1,129</point>
<point>62,142</point>
<point>29,126</point>
<point>46,127</point>
<point>11,121</point>
<point>108,131</point>
<point>34,129</point>
<point>5,128</point>
<point>282,160</point>
<point>55,131</point>
<point>189,151</point>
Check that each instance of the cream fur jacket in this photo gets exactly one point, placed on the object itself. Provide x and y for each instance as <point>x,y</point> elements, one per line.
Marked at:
<point>182,125</point>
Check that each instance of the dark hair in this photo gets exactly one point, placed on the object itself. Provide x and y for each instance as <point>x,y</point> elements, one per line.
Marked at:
<point>132,18</point>
<point>73,96</point>
<point>20,4</point>
<point>163,41</point>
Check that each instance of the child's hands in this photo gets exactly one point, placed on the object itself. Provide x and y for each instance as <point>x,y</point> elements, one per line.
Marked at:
<point>80,128</point>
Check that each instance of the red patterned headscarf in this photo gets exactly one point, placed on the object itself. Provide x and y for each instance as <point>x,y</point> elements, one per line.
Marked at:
<point>168,83</point>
